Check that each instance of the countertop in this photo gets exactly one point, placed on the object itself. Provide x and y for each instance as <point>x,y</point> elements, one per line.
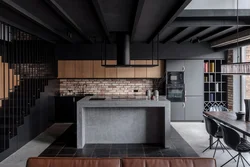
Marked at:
<point>123,101</point>
<point>75,95</point>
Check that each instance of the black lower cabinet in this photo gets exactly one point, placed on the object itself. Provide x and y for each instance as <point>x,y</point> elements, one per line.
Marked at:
<point>66,108</point>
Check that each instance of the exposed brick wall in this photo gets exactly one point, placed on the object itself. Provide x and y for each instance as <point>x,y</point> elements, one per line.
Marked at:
<point>33,70</point>
<point>230,82</point>
<point>247,93</point>
<point>106,86</point>
<point>230,79</point>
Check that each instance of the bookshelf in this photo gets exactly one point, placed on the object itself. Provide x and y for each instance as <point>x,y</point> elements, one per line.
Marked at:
<point>215,84</point>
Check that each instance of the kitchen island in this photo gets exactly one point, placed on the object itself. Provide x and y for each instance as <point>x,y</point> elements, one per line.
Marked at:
<point>117,119</point>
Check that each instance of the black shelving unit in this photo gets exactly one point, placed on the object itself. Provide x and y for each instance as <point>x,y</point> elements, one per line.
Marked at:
<point>215,84</point>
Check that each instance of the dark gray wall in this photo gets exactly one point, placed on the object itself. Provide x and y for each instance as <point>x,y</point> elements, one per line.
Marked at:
<point>169,50</point>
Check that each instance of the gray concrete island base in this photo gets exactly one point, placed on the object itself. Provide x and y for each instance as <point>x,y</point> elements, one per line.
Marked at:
<point>123,121</point>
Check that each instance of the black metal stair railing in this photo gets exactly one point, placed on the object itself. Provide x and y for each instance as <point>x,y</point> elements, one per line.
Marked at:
<point>27,64</point>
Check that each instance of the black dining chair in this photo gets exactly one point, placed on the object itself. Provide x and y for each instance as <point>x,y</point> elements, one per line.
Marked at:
<point>234,141</point>
<point>214,130</point>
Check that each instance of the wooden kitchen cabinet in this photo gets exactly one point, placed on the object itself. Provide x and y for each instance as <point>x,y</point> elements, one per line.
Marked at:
<point>111,72</point>
<point>126,72</point>
<point>93,69</point>
<point>99,70</point>
<point>61,69</point>
<point>84,69</point>
<point>69,69</point>
<point>155,72</point>
<point>140,72</point>
<point>66,69</point>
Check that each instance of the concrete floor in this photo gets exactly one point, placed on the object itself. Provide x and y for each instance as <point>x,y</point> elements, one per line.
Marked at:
<point>196,136</point>
<point>194,133</point>
<point>35,147</point>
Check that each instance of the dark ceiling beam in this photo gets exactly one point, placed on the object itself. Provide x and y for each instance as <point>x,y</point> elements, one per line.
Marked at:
<point>214,33</point>
<point>61,12</point>
<point>240,36</point>
<point>208,21</point>
<point>99,14</point>
<point>137,18</point>
<point>170,18</point>
<point>192,34</point>
<point>228,33</point>
<point>231,46</point>
<point>33,18</point>
<point>214,13</point>
<point>174,34</point>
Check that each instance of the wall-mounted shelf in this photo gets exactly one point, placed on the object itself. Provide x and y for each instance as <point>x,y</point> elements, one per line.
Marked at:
<point>215,84</point>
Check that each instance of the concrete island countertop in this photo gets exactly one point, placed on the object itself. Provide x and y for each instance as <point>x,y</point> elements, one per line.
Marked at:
<point>123,119</point>
<point>123,101</point>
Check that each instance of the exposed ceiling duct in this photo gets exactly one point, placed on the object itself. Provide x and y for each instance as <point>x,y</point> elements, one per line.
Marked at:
<point>123,53</point>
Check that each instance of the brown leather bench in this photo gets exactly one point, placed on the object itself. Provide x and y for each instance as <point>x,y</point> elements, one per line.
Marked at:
<point>168,162</point>
<point>73,162</point>
<point>116,162</point>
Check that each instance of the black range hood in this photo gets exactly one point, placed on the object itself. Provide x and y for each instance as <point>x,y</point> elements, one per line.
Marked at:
<point>123,53</point>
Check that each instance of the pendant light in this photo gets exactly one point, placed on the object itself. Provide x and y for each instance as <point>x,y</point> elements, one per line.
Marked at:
<point>239,68</point>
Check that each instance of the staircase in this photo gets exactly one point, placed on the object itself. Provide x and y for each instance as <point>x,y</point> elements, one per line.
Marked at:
<point>17,96</point>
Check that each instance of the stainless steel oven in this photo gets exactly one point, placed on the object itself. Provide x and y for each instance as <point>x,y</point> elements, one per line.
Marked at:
<point>176,92</point>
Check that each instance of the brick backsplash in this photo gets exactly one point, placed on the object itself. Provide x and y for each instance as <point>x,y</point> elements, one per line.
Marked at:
<point>106,86</point>
<point>230,82</point>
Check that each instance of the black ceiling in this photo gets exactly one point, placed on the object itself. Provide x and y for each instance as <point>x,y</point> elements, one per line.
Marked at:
<point>89,21</point>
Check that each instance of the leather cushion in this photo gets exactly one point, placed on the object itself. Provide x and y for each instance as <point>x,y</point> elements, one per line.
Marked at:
<point>72,162</point>
<point>168,162</point>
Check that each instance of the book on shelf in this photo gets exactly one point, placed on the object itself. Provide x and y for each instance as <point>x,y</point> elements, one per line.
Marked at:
<point>205,66</point>
<point>211,97</point>
<point>211,78</point>
<point>205,79</point>
<point>212,67</point>
<point>216,87</point>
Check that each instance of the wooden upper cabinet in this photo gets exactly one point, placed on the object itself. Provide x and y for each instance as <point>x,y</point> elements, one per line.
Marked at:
<point>155,72</point>
<point>60,69</point>
<point>126,72</point>
<point>140,72</point>
<point>93,69</point>
<point>66,69</point>
<point>111,72</point>
<point>84,69</point>
<point>99,70</point>
<point>69,69</point>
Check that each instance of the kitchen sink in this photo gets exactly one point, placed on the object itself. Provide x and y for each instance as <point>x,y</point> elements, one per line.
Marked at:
<point>97,98</point>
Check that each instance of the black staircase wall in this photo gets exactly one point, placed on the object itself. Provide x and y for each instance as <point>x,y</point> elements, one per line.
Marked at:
<point>28,103</point>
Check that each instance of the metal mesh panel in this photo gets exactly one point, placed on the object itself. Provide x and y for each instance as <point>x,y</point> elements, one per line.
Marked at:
<point>26,65</point>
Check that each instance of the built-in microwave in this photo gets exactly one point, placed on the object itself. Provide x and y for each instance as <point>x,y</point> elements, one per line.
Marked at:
<point>176,92</point>
<point>175,78</point>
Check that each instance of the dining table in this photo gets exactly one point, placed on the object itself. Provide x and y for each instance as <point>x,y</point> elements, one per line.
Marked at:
<point>229,119</point>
